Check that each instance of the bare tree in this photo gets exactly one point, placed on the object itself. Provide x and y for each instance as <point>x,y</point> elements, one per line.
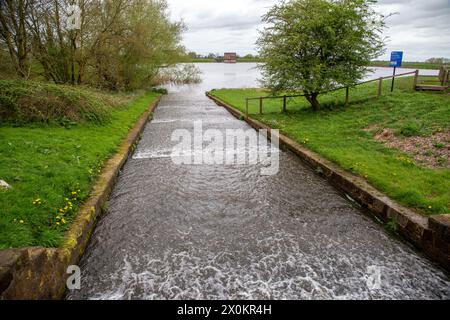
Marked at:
<point>13,32</point>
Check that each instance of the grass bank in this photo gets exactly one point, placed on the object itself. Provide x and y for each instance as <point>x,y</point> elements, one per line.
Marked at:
<point>358,137</point>
<point>52,165</point>
<point>411,65</point>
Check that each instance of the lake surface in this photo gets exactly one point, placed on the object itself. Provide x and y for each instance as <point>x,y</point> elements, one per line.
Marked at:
<point>180,231</point>
<point>246,75</point>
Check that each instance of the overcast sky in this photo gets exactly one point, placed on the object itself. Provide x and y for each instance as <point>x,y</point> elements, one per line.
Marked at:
<point>421,28</point>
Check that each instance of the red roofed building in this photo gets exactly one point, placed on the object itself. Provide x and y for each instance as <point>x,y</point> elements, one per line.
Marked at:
<point>230,57</point>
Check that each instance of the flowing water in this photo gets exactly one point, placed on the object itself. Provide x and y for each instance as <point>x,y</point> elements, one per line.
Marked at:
<point>228,232</point>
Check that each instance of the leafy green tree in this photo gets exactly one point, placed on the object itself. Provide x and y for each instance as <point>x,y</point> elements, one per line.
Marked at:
<point>319,45</point>
<point>142,41</point>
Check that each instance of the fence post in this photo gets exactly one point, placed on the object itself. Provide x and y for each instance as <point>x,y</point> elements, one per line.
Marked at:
<point>346,96</point>
<point>416,79</point>
<point>246,107</point>
<point>380,86</point>
<point>260,105</point>
<point>445,77</point>
<point>284,104</point>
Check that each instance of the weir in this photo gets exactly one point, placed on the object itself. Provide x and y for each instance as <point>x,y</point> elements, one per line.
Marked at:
<point>202,231</point>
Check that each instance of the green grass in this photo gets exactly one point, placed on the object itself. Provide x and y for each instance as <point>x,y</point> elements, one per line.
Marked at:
<point>202,60</point>
<point>340,134</point>
<point>56,165</point>
<point>412,65</point>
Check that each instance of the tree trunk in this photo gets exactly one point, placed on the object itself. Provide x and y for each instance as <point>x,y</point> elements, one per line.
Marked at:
<point>13,32</point>
<point>72,57</point>
<point>312,99</point>
<point>81,66</point>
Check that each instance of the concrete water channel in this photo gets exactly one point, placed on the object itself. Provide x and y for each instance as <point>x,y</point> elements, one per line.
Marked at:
<point>228,232</point>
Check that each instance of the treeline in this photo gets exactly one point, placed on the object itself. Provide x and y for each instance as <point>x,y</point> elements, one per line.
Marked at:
<point>217,57</point>
<point>109,44</point>
<point>194,55</point>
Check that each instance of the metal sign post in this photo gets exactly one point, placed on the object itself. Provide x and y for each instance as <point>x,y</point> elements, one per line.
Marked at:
<point>396,61</point>
<point>393,79</point>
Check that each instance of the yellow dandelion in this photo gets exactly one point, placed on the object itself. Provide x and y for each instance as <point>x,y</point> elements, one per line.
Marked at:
<point>57,223</point>
<point>430,207</point>
<point>63,221</point>
<point>21,221</point>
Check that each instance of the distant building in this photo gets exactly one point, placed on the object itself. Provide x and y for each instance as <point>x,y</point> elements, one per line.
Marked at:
<point>230,57</point>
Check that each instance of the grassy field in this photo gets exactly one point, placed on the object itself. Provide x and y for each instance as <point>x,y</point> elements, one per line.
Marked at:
<point>345,135</point>
<point>52,165</point>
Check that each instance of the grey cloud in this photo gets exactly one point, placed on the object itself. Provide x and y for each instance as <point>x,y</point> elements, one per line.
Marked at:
<point>226,21</point>
<point>421,28</point>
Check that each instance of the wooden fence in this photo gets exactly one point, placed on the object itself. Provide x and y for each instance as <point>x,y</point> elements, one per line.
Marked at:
<point>347,91</point>
<point>442,82</point>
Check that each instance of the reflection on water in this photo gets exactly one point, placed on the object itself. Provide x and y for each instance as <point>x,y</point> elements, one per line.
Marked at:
<point>246,75</point>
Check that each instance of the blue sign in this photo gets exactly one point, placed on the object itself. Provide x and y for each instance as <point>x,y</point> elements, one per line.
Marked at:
<point>396,58</point>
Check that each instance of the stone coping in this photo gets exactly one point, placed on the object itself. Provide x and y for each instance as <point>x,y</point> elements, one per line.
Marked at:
<point>430,234</point>
<point>40,273</point>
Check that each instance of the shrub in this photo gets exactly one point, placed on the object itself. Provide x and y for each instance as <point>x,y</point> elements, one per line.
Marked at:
<point>28,101</point>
